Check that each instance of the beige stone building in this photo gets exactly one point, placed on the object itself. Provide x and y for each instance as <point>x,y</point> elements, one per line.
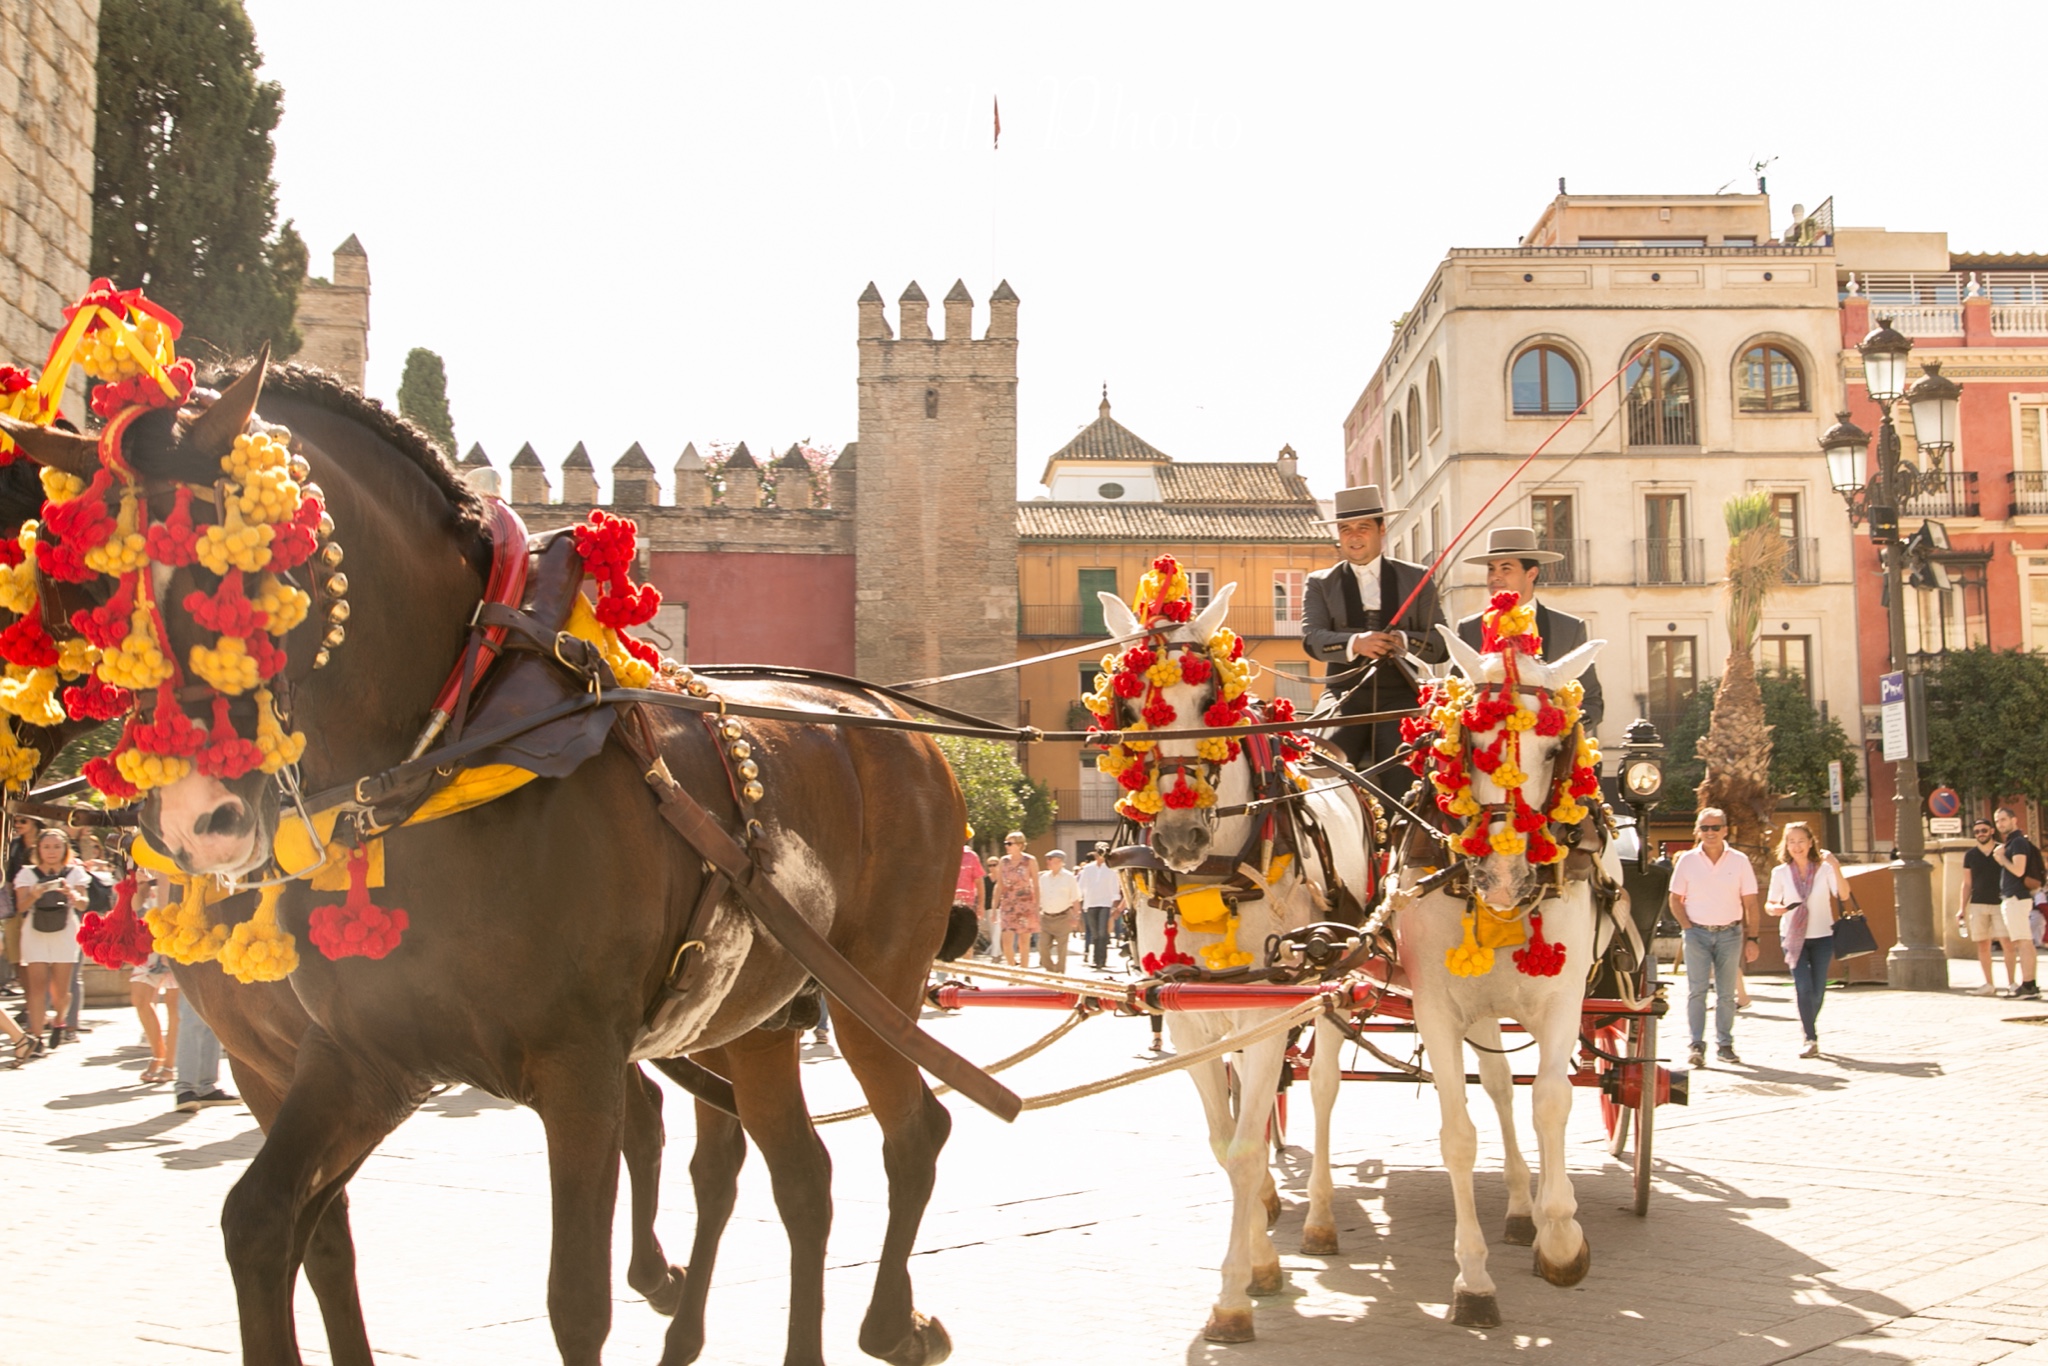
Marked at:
<point>48,51</point>
<point>333,315</point>
<point>1502,345</point>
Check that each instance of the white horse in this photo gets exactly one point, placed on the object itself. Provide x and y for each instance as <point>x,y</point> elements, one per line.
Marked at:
<point>1182,838</point>
<point>1451,1008</point>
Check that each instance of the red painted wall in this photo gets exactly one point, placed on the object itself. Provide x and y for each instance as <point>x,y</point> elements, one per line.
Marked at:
<point>752,608</point>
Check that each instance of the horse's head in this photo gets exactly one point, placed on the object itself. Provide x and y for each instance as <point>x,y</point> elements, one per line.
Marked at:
<point>1510,756</point>
<point>1183,674</point>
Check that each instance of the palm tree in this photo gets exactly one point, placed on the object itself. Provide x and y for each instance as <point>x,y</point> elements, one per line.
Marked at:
<point>1737,746</point>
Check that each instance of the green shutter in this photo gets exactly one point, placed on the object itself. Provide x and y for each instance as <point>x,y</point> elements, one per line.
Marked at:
<point>1095,581</point>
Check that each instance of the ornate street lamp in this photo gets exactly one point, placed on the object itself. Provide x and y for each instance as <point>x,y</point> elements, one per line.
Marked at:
<point>1642,779</point>
<point>1916,962</point>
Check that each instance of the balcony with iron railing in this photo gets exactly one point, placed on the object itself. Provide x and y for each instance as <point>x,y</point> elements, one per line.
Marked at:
<point>1666,560</point>
<point>1574,570</point>
<point>1802,559</point>
<point>1084,620</point>
<point>2029,492</point>
<point>1955,495</point>
<point>1930,303</point>
<point>1669,423</point>
<point>1086,804</point>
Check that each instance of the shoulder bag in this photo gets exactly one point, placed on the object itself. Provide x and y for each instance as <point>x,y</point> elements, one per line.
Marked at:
<point>1852,932</point>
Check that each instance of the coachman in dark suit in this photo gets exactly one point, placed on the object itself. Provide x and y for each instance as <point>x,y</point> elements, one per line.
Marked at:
<point>1513,564</point>
<point>1353,621</point>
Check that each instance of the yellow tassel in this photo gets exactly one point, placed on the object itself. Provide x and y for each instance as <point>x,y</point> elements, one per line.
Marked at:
<point>1469,959</point>
<point>258,949</point>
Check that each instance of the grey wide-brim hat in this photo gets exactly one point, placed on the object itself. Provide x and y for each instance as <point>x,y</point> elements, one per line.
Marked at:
<point>1353,504</point>
<point>1513,543</point>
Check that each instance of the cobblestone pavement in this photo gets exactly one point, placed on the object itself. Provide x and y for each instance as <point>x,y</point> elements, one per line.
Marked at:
<point>1882,1204</point>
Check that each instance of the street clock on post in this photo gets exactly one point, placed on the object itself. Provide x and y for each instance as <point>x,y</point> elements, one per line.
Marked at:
<point>1642,777</point>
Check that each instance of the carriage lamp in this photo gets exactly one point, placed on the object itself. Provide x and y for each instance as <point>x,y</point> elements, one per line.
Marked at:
<point>1642,778</point>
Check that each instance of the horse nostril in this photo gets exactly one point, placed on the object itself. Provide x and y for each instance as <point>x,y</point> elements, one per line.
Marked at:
<point>222,820</point>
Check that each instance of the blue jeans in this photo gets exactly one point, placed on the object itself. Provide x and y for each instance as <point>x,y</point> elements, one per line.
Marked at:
<point>1810,979</point>
<point>198,1051</point>
<point>1095,934</point>
<point>1716,949</point>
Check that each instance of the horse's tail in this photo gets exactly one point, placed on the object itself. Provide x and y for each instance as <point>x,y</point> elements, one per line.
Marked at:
<point>961,929</point>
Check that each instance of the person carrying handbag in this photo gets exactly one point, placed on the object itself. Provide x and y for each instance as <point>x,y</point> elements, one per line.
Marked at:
<point>50,891</point>
<point>1805,886</point>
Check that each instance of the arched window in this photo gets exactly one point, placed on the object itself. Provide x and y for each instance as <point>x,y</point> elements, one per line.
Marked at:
<point>1544,381</point>
<point>1436,399</point>
<point>1415,427</point>
<point>1660,407</point>
<point>1397,452</point>
<point>1768,380</point>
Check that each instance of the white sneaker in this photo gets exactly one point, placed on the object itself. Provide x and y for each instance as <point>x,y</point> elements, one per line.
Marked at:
<point>1986,990</point>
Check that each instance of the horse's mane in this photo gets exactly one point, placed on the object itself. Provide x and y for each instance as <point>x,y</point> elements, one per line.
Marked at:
<point>330,393</point>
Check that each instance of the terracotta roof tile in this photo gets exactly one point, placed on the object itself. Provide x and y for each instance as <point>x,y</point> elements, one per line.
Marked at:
<point>1107,439</point>
<point>1165,522</point>
<point>1195,482</point>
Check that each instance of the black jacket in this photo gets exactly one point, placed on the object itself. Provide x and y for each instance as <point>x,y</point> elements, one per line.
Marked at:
<point>1562,633</point>
<point>1328,624</point>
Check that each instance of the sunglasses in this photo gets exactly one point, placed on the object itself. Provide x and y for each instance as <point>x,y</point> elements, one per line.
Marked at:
<point>1705,828</point>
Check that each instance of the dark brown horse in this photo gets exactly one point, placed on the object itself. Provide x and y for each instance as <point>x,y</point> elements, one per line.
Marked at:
<point>546,922</point>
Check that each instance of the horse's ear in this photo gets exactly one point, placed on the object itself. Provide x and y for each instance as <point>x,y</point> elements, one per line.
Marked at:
<point>1211,620</point>
<point>1118,617</point>
<point>228,416</point>
<point>1572,665</point>
<point>1469,661</point>
<point>70,452</point>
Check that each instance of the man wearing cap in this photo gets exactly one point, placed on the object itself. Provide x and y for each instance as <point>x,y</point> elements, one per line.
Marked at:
<point>1353,620</point>
<point>1513,563</point>
<point>1059,911</point>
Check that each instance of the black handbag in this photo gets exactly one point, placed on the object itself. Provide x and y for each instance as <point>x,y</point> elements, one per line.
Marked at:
<point>49,919</point>
<point>1852,933</point>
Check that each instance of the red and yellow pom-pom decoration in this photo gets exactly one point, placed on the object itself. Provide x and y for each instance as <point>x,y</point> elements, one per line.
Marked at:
<point>357,928</point>
<point>1142,673</point>
<point>1455,713</point>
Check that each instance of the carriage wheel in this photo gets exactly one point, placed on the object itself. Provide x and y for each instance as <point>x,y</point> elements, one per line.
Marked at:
<point>1644,1045</point>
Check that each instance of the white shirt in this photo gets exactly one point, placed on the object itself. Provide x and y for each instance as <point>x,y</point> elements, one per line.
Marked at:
<point>1058,892</point>
<point>1820,902</point>
<point>1368,576</point>
<point>1100,885</point>
<point>1713,889</point>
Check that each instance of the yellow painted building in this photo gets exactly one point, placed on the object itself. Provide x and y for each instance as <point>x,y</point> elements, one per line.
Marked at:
<point>1113,504</point>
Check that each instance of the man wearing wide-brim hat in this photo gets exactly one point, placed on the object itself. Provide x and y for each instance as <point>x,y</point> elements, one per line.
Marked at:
<point>1514,561</point>
<point>1353,619</point>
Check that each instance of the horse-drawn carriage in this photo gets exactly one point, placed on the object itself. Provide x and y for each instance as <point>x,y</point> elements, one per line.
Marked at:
<point>185,558</point>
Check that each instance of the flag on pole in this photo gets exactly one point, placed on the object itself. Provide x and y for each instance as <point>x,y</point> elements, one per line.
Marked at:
<point>999,120</point>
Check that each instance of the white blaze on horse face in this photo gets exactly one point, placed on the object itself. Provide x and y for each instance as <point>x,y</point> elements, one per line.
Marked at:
<point>207,828</point>
<point>1182,836</point>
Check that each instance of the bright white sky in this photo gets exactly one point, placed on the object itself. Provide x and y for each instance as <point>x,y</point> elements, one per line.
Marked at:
<point>622,222</point>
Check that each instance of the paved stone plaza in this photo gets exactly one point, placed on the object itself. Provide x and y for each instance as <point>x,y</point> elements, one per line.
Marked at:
<point>1885,1204</point>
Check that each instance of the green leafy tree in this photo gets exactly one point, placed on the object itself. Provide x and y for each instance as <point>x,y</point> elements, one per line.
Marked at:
<point>1985,737</point>
<point>1803,744</point>
<point>183,200</point>
<point>1000,798</point>
<point>423,396</point>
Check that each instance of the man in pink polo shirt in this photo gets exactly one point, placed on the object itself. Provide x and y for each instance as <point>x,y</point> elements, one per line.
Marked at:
<point>1714,897</point>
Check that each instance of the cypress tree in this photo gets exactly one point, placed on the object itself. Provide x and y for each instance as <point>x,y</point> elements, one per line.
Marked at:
<point>423,396</point>
<point>183,200</point>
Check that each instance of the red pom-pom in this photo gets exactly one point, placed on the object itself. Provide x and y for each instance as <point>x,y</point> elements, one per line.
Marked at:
<point>1128,684</point>
<point>1133,779</point>
<point>107,780</point>
<point>14,380</point>
<point>63,561</point>
<point>174,540</point>
<point>1137,659</point>
<point>1181,796</point>
<point>293,542</point>
<point>1280,709</point>
<point>11,553</point>
<point>26,643</point>
<point>106,626</point>
<point>1478,843</point>
<point>118,939</point>
<point>109,399</point>
<point>1195,667</point>
<point>357,928</point>
<point>1159,713</point>
<point>227,611</point>
<point>1167,957</point>
<point>1550,720</point>
<point>1539,957</point>
<point>96,700</point>
<point>84,520</point>
<point>1505,600</point>
<point>226,755</point>
<point>1178,611</point>
<point>169,731</point>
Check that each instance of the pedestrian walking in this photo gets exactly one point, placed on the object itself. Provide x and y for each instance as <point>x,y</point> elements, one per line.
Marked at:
<point>1059,911</point>
<point>21,850</point>
<point>2020,876</point>
<point>198,1063</point>
<point>967,894</point>
<point>50,892</point>
<point>1016,879</point>
<point>1982,919</point>
<point>1805,885</point>
<point>1102,894</point>
<point>1714,899</point>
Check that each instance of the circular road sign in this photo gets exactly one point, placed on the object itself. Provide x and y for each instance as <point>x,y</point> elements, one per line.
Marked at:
<point>1943,801</point>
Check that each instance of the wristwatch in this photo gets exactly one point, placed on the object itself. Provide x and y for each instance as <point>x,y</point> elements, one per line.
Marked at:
<point>1751,939</point>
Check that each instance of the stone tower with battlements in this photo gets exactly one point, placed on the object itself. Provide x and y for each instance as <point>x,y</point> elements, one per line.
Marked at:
<point>935,534</point>
<point>333,316</point>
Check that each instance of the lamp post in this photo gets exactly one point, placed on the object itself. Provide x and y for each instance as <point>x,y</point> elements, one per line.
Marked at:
<point>1916,962</point>
<point>1642,779</point>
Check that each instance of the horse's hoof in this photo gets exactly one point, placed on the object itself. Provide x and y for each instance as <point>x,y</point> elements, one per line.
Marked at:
<point>1572,1272</point>
<point>1266,1280</point>
<point>1474,1311</point>
<point>928,1344</point>
<point>1521,1231</point>
<point>1272,1208</point>
<point>667,1297</point>
<point>1229,1325</point>
<point>1319,1241</point>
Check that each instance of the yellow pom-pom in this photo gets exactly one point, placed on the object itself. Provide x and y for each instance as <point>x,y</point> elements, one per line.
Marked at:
<point>227,665</point>
<point>258,950</point>
<point>1148,800</point>
<point>1507,777</point>
<point>1469,959</point>
<point>1164,674</point>
<point>1508,840</point>
<point>284,605</point>
<point>59,487</point>
<point>31,694</point>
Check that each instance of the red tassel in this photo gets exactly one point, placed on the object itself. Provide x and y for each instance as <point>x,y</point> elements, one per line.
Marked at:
<point>117,939</point>
<point>357,928</point>
<point>227,755</point>
<point>293,542</point>
<point>1170,957</point>
<point>1539,957</point>
<point>227,611</point>
<point>26,643</point>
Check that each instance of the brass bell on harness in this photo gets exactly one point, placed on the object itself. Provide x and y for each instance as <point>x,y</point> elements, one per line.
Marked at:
<point>301,470</point>
<point>753,792</point>
<point>730,729</point>
<point>750,770</point>
<point>337,612</point>
<point>336,585</point>
<point>326,526</point>
<point>699,688</point>
<point>740,749</point>
<point>312,490</point>
<point>330,554</point>
<point>335,635</point>
<point>320,659</point>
